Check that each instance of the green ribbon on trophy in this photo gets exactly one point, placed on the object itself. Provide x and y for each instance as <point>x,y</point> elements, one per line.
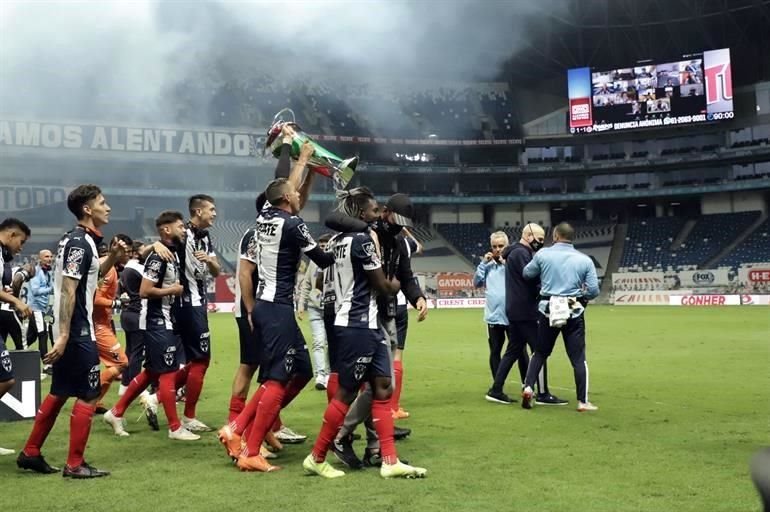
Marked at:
<point>323,161</point>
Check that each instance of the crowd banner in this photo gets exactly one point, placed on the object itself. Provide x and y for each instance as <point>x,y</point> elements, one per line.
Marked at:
<point>705,300</point>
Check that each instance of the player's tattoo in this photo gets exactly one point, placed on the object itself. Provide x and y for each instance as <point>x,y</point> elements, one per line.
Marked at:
<point>67,306</point>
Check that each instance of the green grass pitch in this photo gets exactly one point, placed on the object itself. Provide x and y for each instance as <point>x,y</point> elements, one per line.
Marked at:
<point>684,397</point>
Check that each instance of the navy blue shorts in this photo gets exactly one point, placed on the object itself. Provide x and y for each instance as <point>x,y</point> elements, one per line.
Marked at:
<point>6,366</point>
<point>284,352</point>
<point>192,324</point>
<point>161,351</point>
<point>251,353</point>
<point>76,373</point>
<point>362,354</point>
<point>402,324</point>
<point>331,345</point>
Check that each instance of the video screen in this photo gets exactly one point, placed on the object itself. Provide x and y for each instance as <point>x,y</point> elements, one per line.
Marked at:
<point>694,89</point>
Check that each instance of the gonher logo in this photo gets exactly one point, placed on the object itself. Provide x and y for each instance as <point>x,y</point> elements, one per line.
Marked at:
<point>704,300</point>
<point>703,278</point>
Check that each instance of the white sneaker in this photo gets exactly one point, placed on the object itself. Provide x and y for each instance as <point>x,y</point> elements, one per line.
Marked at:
<point>117,424</point>
<point>6,451</point>
<point>586,407</point>
<point>182,434</point>
<point>195,425</point>
<point>401,470</point>
<point>288,436</point>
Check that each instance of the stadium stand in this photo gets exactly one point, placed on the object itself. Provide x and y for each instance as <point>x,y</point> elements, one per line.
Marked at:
<point>755,249</point>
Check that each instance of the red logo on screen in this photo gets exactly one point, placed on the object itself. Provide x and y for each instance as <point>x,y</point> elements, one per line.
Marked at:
<point>719,83</point>
<point>580,112</point>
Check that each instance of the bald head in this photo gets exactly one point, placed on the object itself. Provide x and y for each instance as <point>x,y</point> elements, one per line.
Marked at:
<point>45,257</point>
<point>532,235</point>
<point>563,232</point>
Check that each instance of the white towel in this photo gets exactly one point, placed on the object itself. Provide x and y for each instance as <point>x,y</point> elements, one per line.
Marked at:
<point>558,311</point>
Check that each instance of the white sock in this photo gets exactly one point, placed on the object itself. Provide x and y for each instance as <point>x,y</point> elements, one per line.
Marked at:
<point>122,390</point>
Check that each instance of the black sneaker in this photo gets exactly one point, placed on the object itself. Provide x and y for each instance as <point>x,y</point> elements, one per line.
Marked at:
<point>152,419</point>
<point>85,470</point>
<point>100,409</point>
<point>319,386</point>
<point>48,370</point>
<point>343,450</point>
<point>372,459</point>
<point>549,399</point>
<point>498,397</point>
<point>401,433</point>
<point>36,463</point>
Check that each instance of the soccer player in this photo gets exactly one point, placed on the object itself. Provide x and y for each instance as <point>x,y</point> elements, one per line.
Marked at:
<point>396,215</point>
<point>13,235</point>
<point>40,289</point>
<point>111,353</point>
<point>362,351</point>
<point>198,260</point>
<point>567,282</point>
<point>240,414</point>
<point>285,368</point>
<point>402,325</point>
<point>73,354</point>
<point>311,291</point>
<point>159,290</point>
<point>11,324</point>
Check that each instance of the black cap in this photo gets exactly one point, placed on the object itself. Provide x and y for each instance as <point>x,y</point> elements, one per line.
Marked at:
<point>403,211</point>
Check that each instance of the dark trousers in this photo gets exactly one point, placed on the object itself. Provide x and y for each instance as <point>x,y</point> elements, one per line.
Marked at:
<point>40,330</point>
<point>574,335</point>
<point>11,326</point>
<point>520,335</point>
<point>135,354</point>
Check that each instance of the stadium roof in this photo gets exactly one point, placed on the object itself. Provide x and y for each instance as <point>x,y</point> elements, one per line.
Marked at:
<point>612,33</point>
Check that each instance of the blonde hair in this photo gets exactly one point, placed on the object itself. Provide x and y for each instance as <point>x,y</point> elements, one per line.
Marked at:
<point>498,235</point>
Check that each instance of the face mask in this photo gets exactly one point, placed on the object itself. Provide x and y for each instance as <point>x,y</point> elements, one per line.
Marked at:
<point>535,243</point>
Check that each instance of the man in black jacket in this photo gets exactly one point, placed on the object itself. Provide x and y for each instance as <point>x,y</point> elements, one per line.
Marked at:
<point>521,309</point>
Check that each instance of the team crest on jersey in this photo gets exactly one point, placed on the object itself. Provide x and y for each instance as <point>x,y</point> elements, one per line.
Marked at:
<point>74,259</point>
<point>93,377</point>
<point>204,342</point>
<point>5,360</point>
<point>359,370</point>
<point>168,357</point>
<point>288,362</point>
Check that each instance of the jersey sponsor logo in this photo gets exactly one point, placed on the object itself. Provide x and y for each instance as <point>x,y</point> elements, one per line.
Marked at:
<point>305,232</point>
<point>265,229</point>
<point>93,377</point>
<point>152,270</point>
<point>251,249</point>
<point>74,259</point>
